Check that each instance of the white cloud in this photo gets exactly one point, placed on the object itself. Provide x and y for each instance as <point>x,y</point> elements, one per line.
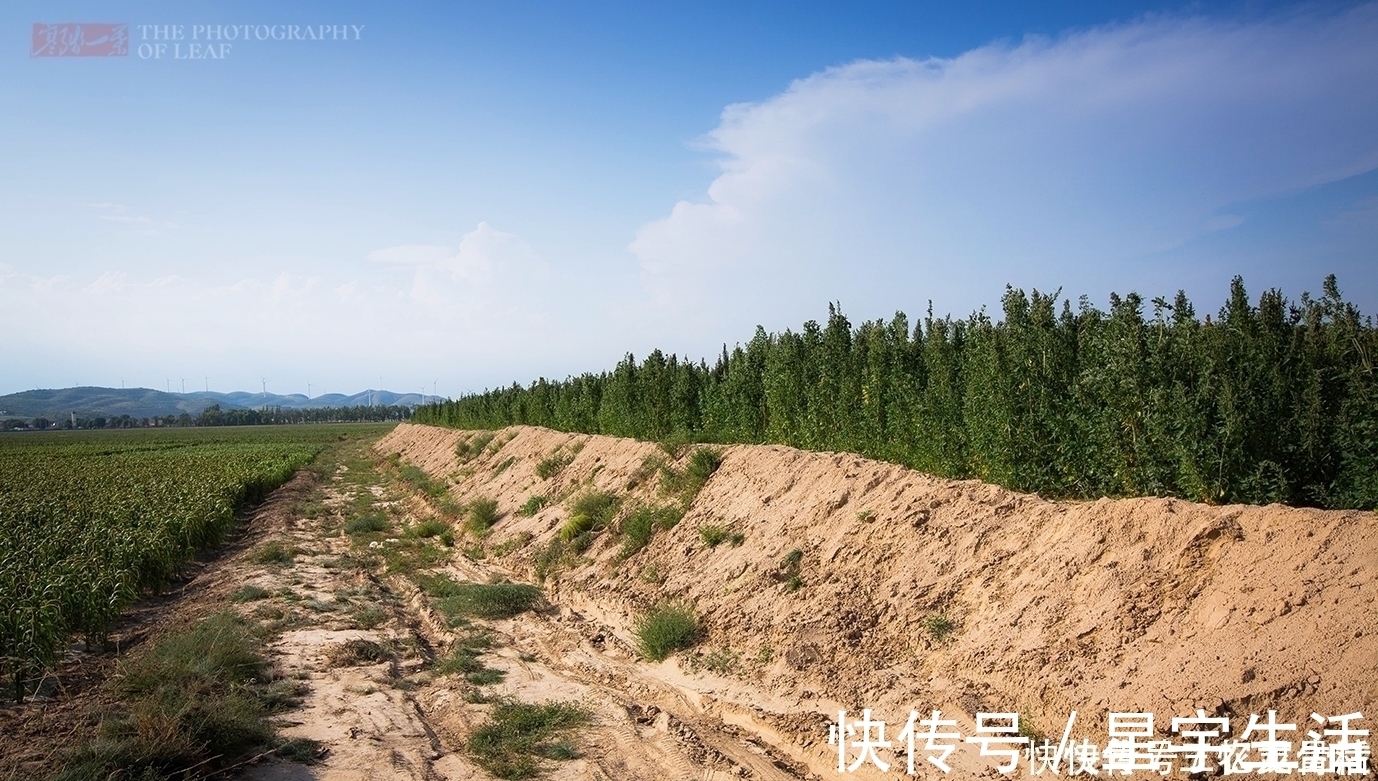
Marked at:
<point>410,254</point>
<point>1071,161</point>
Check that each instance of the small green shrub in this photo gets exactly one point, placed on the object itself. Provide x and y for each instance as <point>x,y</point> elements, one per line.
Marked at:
<point>437,585</point>
<point>589,512</point>
<point>703,462</point>
<point>369,617</point>
<point>518,736</point>
<point>714,535</point>
<point>250,593</point>
<point>483,513</point>
<point>485,677</point>
<point>666,629</point>
<point>641,525</point>
<point>504,465</point>
<point>548,467</point>
<point>366,523</point>
<point>471,447</point>
<point>792,560</point>
<point>489,600</point>
<point>651,465</point>
<point>865,516</point>
<point>464,661</point>
<point>721,661</point>
<point>576,525</point>
<point>598,505</point>
<point>533,505</point>
<point>432,527</point>
<point>938,626</point>
<point>274,553</point>
<point>550,559</point>
<point>199,698</point>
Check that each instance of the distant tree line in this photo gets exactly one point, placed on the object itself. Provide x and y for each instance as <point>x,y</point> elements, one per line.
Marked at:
<point>1274,402</point>
<point>214,416</point>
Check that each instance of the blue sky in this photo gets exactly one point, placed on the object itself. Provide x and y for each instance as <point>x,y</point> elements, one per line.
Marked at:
<point>473,194</point>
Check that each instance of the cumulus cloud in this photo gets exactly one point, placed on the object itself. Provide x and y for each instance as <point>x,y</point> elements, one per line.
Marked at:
<point>1065,160</point>
<point>489,271</point>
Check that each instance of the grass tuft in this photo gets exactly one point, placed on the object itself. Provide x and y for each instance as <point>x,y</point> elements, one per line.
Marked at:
<point>533,505</point>
<point>366,523</point>
<point>938,626</point>
<point>274,553</point>
<point>250,593</point>
<point>483,513</point>
<point>666,629</point>
<point>519,735</point>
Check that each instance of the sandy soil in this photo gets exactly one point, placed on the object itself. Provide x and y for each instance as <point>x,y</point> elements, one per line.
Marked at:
<point>1115,605</point>
<point>1147,604</point>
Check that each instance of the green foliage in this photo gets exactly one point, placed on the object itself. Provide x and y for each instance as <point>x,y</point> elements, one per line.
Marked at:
<point>668,628</point>
<point>548,467</point>
<point>550,559</point>
<point>483,513</point>
<point>1269,400</point>
<point>576,525</point>
<point>489,600</point>
<point>250,593</point>
<point>366,523</point>
<point>437,491</point>
<point>703,462</point>
<point>519,735</point>
<point>714,535</point>
<point>472,447</point>
<point>790,567</point>
<point>504,465</point>
<point>273,553</point>
<point>89,521</point>
<point>431,527</point>
<point>641,524</point>
<point>199,698</point>
<point>589,511</point>
<point>533,505</point>
<point>938,626</point>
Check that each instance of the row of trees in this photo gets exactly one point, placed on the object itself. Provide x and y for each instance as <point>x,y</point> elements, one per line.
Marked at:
<point>1274,402</point>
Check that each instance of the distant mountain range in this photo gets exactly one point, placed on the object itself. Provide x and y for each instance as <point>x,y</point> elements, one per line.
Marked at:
<point>148,403</point>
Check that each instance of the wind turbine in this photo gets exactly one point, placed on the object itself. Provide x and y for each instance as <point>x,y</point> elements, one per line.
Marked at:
<point>168,380</point>
<point>308,391</point>
<point>208,383</point>
<point>184,386</point>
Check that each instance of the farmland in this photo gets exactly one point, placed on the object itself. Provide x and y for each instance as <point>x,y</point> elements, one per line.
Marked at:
<point>90,521</point>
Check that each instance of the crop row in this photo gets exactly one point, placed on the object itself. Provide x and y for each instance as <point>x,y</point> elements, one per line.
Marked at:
<point>87,526</point>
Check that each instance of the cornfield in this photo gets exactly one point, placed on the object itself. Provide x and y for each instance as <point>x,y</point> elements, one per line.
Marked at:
<point>1274,402</point>
<point>89,522</point>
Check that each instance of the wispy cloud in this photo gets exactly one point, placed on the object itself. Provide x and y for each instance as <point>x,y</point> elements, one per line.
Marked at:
<point>1072,160</point>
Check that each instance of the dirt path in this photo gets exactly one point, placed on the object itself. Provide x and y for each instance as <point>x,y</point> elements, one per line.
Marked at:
<point>394,717</point>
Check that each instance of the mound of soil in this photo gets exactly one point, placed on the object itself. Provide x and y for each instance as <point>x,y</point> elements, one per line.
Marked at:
<point>913,592</point>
